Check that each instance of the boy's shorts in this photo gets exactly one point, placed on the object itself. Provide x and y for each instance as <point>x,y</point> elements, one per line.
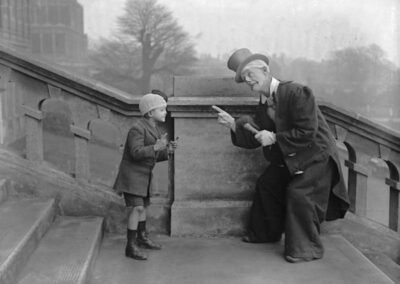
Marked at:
<point>132,200</point>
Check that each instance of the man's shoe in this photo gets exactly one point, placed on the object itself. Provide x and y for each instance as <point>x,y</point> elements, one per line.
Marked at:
<point>292,259</point>
<point>250,238</point>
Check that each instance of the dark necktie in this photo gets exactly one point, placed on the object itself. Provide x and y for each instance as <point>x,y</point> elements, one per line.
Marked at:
<point>270,106</point>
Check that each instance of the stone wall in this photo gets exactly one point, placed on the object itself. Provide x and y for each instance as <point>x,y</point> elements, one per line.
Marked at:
<point>73,125</point>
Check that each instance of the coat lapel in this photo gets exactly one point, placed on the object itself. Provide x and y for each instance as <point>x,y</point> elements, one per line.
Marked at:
<point>280,102</point>
<point>151,129</point>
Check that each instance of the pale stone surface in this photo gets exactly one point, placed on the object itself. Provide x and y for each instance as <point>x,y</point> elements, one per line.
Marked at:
<point>215,261</point>
<point>34,139</point>
<point>66,253</point>
<point>22,224</point>
<point>209,167</point>
<point>214,180</point>
<point>202,218</point>
<point>191,86</point>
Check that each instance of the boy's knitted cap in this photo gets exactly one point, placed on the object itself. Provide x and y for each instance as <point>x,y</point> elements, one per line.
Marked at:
<point>151,101</point>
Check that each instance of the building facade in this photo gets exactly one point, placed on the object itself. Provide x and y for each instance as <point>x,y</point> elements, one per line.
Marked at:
<point>51,30</point>
<point>15,24</point>
<point>57,32</point>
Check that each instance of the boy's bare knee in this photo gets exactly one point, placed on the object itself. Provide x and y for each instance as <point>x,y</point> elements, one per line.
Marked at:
<point>139,209</point>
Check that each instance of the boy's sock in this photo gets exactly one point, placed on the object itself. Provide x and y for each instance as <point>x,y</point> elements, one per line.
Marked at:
<point>142,226</point>
<point>131,235</point>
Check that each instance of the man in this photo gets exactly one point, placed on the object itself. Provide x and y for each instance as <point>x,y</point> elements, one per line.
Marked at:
<point>303,184</point>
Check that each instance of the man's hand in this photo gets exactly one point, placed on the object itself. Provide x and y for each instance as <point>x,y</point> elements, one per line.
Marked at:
<point>265,137</point>
<point>225,118</point>
<point>162,143</point>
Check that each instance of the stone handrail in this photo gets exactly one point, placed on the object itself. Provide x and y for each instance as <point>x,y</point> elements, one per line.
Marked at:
<point>364,140</point>
<point>212,180</point>
<point>95,119</point>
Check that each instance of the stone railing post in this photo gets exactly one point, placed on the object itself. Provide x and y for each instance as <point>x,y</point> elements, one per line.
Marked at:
<point>4,106</point>
<point>34,133</point>
<point>213,180</point>
<point>392,159</point>
<point>82,163</point>
<point>394,201</point>
<point>358,177</point>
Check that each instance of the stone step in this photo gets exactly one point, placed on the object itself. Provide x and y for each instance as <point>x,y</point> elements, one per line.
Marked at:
<point>22,225</point>
<point>229,260</point>
<point>66,253</point>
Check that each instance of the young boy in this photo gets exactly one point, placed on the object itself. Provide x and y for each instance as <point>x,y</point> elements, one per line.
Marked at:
<point>143,148</point>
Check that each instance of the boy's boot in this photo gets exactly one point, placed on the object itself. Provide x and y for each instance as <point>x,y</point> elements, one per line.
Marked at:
<point>132,250</point>
<point>143,240</point>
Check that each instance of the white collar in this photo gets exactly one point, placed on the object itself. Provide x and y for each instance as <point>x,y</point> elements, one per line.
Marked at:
<point>273,88</point>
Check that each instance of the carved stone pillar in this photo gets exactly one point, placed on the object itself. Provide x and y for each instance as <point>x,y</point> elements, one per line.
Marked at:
<point>34,133</point>
<point>213,180</point>
<point>82,163</point>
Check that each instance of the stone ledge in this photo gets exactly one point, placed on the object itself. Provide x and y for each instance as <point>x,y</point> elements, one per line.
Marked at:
<point>200,218</point>
<point>377,242</point>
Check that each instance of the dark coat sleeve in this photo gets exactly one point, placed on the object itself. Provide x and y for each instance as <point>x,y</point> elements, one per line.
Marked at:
<point>304,121</point>
<point>162,155</point>
<point>137,147</point>
<point>242,137</point>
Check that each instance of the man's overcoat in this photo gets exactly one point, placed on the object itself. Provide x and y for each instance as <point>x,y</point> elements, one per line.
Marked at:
<point>303,138</point>
<point>303,184</point>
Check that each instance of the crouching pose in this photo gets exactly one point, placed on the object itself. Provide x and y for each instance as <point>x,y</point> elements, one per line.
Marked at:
<point>303,184</point>
<point>145,145</point>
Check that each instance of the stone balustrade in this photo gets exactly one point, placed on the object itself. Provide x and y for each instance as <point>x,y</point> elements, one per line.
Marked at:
<point>207,188</point>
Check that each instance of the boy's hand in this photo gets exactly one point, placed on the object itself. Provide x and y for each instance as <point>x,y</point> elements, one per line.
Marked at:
<point>162,143</point>
<point>172,145</point>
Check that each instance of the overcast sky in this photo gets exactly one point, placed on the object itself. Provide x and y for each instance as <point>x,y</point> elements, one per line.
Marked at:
<point>298,28</point>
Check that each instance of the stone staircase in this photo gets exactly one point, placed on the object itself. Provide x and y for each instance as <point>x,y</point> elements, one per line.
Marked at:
<point>37,246</point>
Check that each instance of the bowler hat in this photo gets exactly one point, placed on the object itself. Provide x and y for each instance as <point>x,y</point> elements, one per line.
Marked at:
<point>239,60</point>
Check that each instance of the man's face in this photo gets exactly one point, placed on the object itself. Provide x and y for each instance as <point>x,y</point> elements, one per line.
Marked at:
<point>256,78</point>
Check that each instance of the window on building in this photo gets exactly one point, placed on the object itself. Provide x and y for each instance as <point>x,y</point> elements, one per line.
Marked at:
<point>53,14</point>
<point>9,15</point>
<point>61,44</point>
<point>1,14</point>
<point>64,15</point>
<point>48,44</point>
<point>18,10</point>
<point>36,43</point>
<point>42,14</point>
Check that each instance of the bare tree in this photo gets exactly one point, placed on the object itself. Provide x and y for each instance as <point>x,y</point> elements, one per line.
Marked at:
<point>150,41</point>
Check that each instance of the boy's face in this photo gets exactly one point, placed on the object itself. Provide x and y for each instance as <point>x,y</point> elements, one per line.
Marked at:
<point>159,114</point>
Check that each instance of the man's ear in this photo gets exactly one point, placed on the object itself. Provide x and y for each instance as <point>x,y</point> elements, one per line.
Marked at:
<point>265,70</point>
